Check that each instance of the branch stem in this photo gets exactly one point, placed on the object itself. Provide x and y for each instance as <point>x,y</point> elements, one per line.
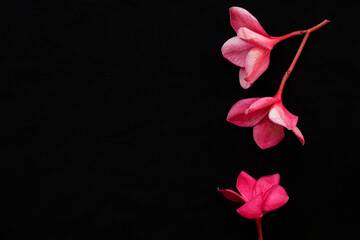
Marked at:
<point>302,32</point>
<point>292,65</point>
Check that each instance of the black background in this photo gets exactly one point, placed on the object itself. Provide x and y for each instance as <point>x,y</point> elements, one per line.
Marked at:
<point>113,120</point>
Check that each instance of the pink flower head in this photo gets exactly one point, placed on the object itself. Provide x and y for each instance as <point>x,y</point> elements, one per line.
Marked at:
<point>260,196</point>
<point>250,49</point>
<point>268,116</point>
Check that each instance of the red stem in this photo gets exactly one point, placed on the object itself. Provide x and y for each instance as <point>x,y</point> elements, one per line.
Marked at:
<point>258,225</point>
<point>302,32</point>
<point>288,72</point>
<point>297,33</point>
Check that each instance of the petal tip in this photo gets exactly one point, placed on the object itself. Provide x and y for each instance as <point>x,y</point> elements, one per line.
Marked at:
<point>299,135</point>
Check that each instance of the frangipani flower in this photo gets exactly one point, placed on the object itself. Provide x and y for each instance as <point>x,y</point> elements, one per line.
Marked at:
<point>250,49</point>
<point>260,196</point>
<point>268,116</point>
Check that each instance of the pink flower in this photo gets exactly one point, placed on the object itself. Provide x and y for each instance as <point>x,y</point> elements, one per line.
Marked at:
<point>250,49</point>
<point>268,116</point>
<point>259,196</point>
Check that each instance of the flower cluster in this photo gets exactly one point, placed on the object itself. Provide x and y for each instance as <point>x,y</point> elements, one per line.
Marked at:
<point>250,50</point>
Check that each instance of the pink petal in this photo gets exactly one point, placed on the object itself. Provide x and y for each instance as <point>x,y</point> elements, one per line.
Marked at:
<point>241,106</point>
<point>279,115</point>
<point>257,61</point>
<point>262,103</point>
<point>238,117</point>
<point>257,39</point>
<point>235,50</point>
<point>274,198</point>
<point>299,135</point>
<point>265,183</point>
<point>253,208</point>
<point>239,17</point>
<point>244,84</point>
<point>245,185</point>
<point>267,134</point>
<point>231,195</point>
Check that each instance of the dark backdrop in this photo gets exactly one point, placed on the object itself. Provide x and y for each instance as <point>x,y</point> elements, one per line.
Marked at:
<point>113,120</point>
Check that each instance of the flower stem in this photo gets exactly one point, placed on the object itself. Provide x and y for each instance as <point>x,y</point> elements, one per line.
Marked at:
<point>258,225</point>
<point>302,32</point>
<point>320,25</point>
<point>288,72</point>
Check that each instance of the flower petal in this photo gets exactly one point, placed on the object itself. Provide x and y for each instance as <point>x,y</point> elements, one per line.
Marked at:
<point>299,135</point>
<point>235,50</point>
<point>239,17</point>
<point>245,185</point>
<point>262,103</point>
<point>238,117</point>
<point>241,106</point>
<point>257,61</point>
<point>265,183</point>
<point>267,134</point>
<point>275,198</point>
<point>257,39</point>
<point>280,115</point>
<point>244,84</point>
<point>231,195</point>
<point>253,208</point>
